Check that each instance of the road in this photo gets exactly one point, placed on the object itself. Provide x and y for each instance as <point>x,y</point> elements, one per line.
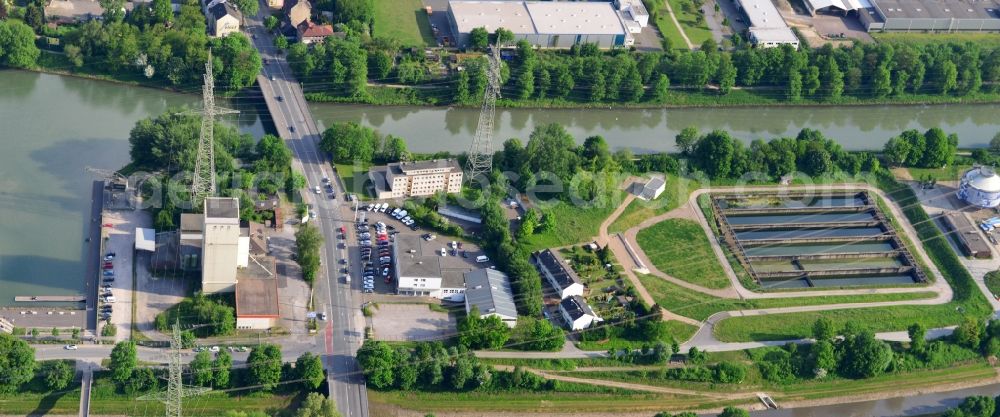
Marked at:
<point>297,127</point>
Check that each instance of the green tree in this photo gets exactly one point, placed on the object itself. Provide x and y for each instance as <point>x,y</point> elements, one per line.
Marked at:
<point>881,82</point>
<point>726,74</point>
<point>918,337</point>
<point>349,142</point>
<point>864,356</point>
<point>793,87</point>
<point>307,242</point>
<point>379,65</point>
<point>264,363</point>
<point>504,36</point>
<point>17,44</point>
<point>394,149</point>
<point>271,23</point>
<point>344,11</point>
<point>309,369</point>
<point>201,368</point>
<point>734,412</point>
<point>716,154</point>
<point>897,151</point>
<point>461,372</point>
<point>114,10</point>
<point>482,333</point>
<point>280,42</point>
<point>823,357</point>
<point>810,81</point>
<point>832,79</point>
<point>242,60</point>
<point>947,76</point>
<point>317,405</point>
<point>938,151</point>
<point>995,143</point>
<point>248,8</point>
<point>123,361</point>
<point>968,333</point>
<point>661,89</point>
<point>378,360</point>
<point>163,11</point>
<point>222,366</point>
<point>58,375</point>
<point>687,139</point>
<point>479,38</point>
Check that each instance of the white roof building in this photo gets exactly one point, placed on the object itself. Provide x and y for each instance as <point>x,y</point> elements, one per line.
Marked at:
<point>543,24</point>
<point>767,28</point>
<point>489,291</point>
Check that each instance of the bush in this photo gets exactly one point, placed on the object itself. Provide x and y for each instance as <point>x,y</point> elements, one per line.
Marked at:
<point>198,310</point>
<point>730,373</point>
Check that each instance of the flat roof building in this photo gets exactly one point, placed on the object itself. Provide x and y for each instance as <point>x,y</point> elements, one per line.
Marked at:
<point>257,296</point>
<point>221,244</point>
<point>410,179</point>
<point>767,28</point>
<point>934,15</point>
<point>420,271</point>
<point>652,188</point>
<point>562,278</point>
<point>543,24</point>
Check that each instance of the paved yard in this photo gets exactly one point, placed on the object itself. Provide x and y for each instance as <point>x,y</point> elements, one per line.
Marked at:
<point>121,241</point>
<point>410,322</point>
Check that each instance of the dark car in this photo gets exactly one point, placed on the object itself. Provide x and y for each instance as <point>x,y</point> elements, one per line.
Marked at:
<point>291,129</point>
<point>280,98</point>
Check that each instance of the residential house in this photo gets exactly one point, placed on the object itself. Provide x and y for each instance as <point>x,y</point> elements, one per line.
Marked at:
<point>223,18</point>
<point>298,11</point>
<point>577,313</point>
<point>309,32</point>
<point>562,278</point>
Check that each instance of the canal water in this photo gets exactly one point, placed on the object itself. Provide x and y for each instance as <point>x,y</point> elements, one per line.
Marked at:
<point>855,127</point>
<point>918,405</point>
<point>53,128</point>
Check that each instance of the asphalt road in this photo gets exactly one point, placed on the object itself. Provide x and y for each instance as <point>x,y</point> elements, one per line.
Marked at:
<point>340,337</point>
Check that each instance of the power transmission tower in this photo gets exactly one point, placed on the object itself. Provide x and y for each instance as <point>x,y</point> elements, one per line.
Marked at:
<point>203,183</point>
<point>176,391</point>
<point>481,153</point>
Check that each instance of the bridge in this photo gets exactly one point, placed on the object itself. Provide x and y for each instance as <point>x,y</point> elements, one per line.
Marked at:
<point>294,123</point>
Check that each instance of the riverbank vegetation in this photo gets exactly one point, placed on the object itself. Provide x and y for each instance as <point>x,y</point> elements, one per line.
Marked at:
<point>585,75</point>
<point>149,44</point>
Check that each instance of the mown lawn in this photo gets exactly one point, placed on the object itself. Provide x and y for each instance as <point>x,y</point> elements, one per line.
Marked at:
<point>680,248</point>
<point>696,32</point>
<point>920,38</point>
<point>354,178</point>
<point>992,280</point>
<point>951,173</point>
<point>675,193</point>
<point>405,21</point>
<point>661,19</point>
<point>575,224</point>
<point>676,331</point>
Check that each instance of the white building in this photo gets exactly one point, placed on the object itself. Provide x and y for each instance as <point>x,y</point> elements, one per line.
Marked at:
<point>223,18</point>
<point>634,11</point>
<point>767,28</point>
<point>421,271</point>
<point>980,186</point>
<point>577,313</point>
<point>562,278</point>
<point>652,188</point>
<point>411,179</point>
<point>489,291</point>
<point>543,24</point>
<point>220,252</point>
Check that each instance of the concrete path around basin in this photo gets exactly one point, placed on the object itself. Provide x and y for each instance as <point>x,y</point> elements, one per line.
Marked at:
<point>705,337</point>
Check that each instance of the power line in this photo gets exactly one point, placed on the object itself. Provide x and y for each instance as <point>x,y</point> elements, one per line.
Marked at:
<point>480,159</point>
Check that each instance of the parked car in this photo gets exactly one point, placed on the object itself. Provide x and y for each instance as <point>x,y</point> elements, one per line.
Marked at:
<point>70,347</point>
<point>321,316</point>
<point>109,273</point>
<point>213,349</point>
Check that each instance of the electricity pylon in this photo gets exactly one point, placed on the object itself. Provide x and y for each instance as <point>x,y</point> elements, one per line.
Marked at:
<point>481,153</point>
<point>176,391</point>
<point>203,183</point>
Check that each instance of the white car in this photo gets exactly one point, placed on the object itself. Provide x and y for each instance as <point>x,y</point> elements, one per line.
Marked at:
<point>317,190</point>
<point>70,347</point>
<point>213,349</point>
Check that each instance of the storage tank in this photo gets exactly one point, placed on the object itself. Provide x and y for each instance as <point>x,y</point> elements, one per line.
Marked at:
<point>980,186</point>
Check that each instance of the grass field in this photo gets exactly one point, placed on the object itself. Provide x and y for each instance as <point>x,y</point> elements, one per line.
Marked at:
<point>951,173</point>
<point>667,28</point>
<point>576,224</point>
<point>992,280</point>
<point>403,20</point>
<point>919,38</point>
<point>674,194</point>
<point>353,178</point>
<point>696,32</point>
<point>680,248</point>
<point>518,403</point>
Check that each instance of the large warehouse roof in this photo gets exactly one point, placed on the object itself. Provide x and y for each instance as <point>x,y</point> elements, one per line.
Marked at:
<point>511,15</point>
<point>840,4</point>
<point>939,9</point>
<point>595,18</point>
<point>533,17</point>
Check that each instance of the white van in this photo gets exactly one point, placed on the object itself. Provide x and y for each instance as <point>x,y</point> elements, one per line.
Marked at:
<point>444,252</point>
<point>482,259</point>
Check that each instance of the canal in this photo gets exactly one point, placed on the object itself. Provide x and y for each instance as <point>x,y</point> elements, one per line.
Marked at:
<point>855,127</point>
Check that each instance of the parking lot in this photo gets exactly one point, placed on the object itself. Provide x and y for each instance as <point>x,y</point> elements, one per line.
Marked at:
<point>116,275</point>
<point>457,258</point>
<point>410,322</point>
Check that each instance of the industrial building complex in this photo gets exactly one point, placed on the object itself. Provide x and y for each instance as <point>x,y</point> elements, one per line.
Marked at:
<point>767,28</point>
<point>551,24</point>
<point>916,15</point>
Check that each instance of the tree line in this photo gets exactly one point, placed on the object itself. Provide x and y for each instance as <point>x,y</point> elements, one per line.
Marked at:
<point>586,74</point>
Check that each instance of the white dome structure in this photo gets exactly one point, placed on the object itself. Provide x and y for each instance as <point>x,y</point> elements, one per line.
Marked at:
<point>980,186</point>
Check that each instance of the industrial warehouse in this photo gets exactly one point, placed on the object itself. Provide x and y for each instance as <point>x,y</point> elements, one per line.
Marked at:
<point>915,15</point>
<point>794,241</point>
<point>550,24</point>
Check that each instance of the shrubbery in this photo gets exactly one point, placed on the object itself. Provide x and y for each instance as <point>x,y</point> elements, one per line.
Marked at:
<point>200,309</point>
